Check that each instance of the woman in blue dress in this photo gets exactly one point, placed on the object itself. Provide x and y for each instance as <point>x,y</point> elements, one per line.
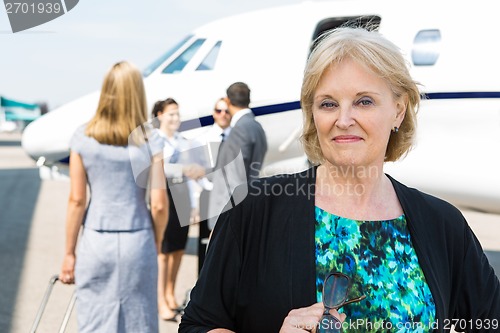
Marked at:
<point>119,158</point>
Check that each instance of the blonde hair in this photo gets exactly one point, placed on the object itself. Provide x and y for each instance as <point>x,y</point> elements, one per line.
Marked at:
<point>384,58</point>
<point>122,106</point>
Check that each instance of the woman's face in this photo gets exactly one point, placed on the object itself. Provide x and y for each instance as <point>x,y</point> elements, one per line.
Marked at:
<point>354,111</point>
<point>170,118</point>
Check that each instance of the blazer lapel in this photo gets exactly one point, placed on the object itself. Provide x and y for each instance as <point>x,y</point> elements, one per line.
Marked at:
<point>303,263</point>
<point>416,212</point>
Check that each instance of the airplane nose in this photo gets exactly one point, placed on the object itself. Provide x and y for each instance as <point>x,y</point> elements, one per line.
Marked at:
<point>49,135</point>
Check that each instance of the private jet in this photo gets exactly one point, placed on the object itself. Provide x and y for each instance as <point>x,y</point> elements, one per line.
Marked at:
<point>449,45</point>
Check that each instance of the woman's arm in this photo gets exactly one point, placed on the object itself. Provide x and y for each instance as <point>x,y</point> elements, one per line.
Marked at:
<point>74,218</point>
<point>212,302</point>
<point>159,201</point>
<point>478,304</point>
<point>305,319</point>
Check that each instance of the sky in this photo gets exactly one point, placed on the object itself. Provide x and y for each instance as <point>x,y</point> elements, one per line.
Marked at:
<point>66,58</point>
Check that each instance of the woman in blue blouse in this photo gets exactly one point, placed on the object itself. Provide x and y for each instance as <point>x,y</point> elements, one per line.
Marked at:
<point>112,158</point>
<point>412,255</point>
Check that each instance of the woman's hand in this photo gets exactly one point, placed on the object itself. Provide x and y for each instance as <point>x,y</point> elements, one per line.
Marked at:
<point>307,319</point>
<point>67,275</point>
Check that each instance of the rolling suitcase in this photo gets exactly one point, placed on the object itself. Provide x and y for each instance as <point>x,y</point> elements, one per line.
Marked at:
<point>45,300</point>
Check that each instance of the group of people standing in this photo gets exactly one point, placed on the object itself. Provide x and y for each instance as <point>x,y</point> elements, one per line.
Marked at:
<point>134,228</point>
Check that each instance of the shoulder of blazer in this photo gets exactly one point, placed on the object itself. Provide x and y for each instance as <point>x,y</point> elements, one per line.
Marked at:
<point>290,194</point>
<point>416,199</point>
<point>428,213</point>
<point>288,188</point>
<point>248,130</point>
<point>246,121</point>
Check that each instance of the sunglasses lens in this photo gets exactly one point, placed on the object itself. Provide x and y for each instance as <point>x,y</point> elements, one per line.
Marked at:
<point>329,324</point>
<point>335,290</point>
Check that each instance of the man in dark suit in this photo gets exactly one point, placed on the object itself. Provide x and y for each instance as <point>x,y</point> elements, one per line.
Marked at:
<point>241,153</point>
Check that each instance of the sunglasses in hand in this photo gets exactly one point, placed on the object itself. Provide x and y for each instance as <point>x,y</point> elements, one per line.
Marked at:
<point>335,290</point>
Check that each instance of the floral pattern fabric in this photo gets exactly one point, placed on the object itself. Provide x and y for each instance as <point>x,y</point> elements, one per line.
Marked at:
<point>379,258</point>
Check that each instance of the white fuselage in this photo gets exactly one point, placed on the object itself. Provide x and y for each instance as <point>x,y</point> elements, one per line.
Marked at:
<point>457,149</point>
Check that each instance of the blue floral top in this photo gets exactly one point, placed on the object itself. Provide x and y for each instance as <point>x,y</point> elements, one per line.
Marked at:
<point>379,258</point>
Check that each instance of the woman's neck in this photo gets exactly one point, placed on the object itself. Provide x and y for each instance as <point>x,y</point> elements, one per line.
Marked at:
<point>369,177</point>
<point>167,131</point>
<point>358,192</point>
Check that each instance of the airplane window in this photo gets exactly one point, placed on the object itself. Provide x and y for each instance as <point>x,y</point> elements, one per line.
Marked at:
<point>181,61</point>
<point>208,63</point>
<point>426,47</point>
<point>151,68</point>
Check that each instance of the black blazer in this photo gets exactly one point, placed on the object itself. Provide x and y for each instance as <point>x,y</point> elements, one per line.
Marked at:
<point>261,263</point>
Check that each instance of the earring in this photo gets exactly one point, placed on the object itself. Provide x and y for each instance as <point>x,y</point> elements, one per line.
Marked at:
<point>395,129</point>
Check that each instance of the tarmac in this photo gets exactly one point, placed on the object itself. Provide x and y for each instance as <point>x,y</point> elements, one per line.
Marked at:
<point>32,224</point>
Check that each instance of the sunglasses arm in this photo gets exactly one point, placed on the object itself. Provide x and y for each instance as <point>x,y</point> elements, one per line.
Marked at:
<point>354,300</point>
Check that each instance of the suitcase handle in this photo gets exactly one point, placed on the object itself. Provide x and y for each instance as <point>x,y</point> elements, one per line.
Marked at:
<point>45,300</point>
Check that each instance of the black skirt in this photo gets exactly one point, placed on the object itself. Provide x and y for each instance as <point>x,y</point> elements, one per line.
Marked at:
<point>176,233</point>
